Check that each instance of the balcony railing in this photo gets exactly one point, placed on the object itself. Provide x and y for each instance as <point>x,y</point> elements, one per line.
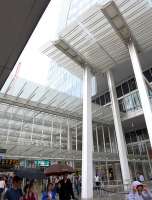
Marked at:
<point>130,102</point>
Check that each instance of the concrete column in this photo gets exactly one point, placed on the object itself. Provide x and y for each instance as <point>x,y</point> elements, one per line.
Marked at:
<point>60,137</point>
<point>109,134</point>
<point>87,139</point>
<point>51,139</point>
<point>103,136</point>
<point>143,91</point>
<point>97,139</point>
<point>76,136</point>
<point>119,132</point>
<point>69,145</point>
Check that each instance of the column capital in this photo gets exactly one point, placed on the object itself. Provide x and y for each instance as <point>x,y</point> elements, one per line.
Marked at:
<point>86,65</point>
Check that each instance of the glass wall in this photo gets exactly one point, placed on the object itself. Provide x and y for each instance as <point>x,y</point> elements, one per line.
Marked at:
<point>139,152</point>
<point>127,94</point>
<point>77,7</point>
<point>63,81</point>
<point>104,139</point>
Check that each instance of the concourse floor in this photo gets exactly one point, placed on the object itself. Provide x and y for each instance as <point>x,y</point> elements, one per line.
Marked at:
<point>107,197</point>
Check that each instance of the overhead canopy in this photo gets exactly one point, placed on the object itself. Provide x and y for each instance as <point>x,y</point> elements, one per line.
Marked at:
<point>34,121</point>
<point>18,19</point>
<point>94,38</point>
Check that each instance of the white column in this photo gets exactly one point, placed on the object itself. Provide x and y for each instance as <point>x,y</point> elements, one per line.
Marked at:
<point>76,138</point>
<point>103,136</point>
<point>97,139</point>
<point>143,91</point>
<point>51,139</point>
<point>87,139</point>
<point>60,137</point>
<point>109,134</point>
<point>69,145</point>
<point>119,132</point>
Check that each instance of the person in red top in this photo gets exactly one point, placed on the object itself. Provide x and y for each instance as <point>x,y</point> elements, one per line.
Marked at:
<point>29,193</point>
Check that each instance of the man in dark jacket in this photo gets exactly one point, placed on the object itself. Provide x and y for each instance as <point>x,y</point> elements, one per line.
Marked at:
<point>14,193</point>
<point>65,189</point>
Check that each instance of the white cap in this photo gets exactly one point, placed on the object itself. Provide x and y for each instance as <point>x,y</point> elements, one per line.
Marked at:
<point>136,183</point>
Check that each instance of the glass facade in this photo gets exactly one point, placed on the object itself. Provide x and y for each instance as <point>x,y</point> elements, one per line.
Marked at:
<point>63,81</point>
<point>139,149</point>
<point>127,94</point>
<point>78,7</point>
<point>45,121</point>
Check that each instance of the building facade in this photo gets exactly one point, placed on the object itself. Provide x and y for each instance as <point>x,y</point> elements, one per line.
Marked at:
<point>123,77</point>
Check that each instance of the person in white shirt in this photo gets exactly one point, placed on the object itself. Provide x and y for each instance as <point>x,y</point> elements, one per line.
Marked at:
<point>97,181</point>
<point>2,186</point>
<point>140,177</point>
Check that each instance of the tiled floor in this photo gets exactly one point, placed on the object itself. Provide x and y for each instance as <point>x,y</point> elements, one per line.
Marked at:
<point>109,197</point>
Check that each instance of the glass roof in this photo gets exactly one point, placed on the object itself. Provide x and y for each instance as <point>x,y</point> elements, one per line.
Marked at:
<point>41,102</point>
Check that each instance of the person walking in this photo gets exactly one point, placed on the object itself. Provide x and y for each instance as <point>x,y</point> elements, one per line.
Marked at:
<point>77,184</point>
<point>2,186</point>
<point>50,193</point>
<point>97,181</point>
<point>139,192</point>
<point>29,192</point>
<point>140,177</point>
<point>65,189</point>
<point>14,193</point>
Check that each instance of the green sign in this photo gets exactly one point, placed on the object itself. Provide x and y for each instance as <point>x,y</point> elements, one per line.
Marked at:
<point>42,163</point>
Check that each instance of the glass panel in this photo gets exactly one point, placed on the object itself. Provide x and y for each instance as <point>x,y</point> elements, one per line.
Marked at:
<point>122,105</point>
<point>93,101</point>
<point>127,137</point>
<point>136,100</point>
<point>79,138</point>
<point>102,100</point>
<point>145,134</point>
<point>148,75</point>
<point>130,151</point>
<point>132,84</point>
<point>107,97</point>
<point>100,139</point>
<point>125,88</point>
<point>136,150</point>
<point>128,103</point>
<point>133,136</point>
<point>94,140</point>
<point>119,91</point>
<point>107,141</point>
<point>139,132</point>
<point>98,100</point>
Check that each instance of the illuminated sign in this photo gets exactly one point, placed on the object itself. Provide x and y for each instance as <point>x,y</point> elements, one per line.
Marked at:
<point>42,163</point>
<point>9,163</point>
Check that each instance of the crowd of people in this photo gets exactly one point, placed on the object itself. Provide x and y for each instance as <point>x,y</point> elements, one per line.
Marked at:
<point>11,188</point>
